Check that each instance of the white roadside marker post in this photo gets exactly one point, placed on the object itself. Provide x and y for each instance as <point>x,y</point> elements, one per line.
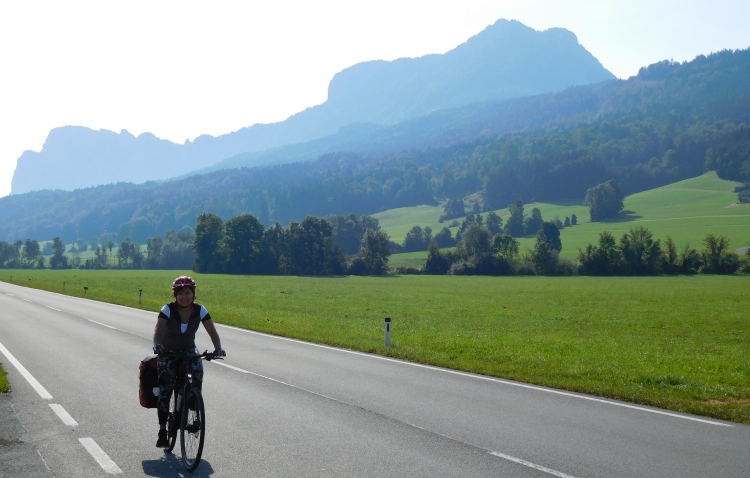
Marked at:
<point>387,331</point>
<point>63,286</point>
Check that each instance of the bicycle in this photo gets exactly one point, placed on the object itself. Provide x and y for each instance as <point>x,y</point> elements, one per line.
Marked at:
<point>189,420</point>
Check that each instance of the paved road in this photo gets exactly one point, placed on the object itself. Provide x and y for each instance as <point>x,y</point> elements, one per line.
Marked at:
<point>286,408</point>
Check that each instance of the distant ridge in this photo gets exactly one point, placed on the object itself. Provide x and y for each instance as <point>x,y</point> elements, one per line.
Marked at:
<point>505,60</point>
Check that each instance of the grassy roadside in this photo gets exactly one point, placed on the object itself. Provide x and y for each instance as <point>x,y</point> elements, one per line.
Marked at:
<point>674,342</point>
<point>4,385</point>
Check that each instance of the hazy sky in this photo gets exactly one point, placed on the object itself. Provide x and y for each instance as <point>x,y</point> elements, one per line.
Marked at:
<point>181,69</point>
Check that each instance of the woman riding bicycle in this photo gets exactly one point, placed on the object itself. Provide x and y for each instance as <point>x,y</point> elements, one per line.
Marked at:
<point>175,331</point>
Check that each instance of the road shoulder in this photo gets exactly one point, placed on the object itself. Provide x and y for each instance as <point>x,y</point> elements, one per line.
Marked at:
<point>17,458</point>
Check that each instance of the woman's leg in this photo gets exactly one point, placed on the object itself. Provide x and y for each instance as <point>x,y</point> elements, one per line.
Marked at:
<point>166,369</point>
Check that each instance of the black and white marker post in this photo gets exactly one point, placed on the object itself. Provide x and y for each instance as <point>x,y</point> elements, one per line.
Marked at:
<point>387,331</point>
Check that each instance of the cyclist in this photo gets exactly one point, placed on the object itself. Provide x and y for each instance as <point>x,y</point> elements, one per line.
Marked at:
<point>175,331</point>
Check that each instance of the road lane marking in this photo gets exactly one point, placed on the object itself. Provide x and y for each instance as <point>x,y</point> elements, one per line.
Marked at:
<point>10,295</point>
<point>559,474</point>
<point>231,366</point>
<point>54,309</point>
<point>64,415</point>
<point>102,458</point>
<point>486,378</point>
<point>103,325</point>
<point>27,300</point>
<point>25,373</point>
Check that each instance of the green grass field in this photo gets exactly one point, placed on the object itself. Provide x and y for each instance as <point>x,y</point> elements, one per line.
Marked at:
<point>674,342</point>
<point>686,210</point>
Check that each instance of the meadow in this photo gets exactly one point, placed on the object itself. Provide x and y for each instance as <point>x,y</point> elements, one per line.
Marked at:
<point>687,211</point>
<point>673,342</point>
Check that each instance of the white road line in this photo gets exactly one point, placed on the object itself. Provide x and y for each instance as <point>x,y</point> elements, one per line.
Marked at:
<point>490,379</point>
<point>104,461</point>
<point>64,415</point>
<point>231,366</point>
<point>29,378</point>
<point>531,465</point>
<point>54,309</point>
<point>10,295</point>
<point>27,300</point>
<point>103,325</point>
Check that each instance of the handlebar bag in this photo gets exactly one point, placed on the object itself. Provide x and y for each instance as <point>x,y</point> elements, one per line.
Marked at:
<point>148,389</point>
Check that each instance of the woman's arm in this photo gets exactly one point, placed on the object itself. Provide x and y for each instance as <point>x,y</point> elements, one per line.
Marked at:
<point>161,326</point>
<point>213,333</point>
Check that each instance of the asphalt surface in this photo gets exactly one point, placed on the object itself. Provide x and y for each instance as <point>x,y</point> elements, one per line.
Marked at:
<point>279,407</point>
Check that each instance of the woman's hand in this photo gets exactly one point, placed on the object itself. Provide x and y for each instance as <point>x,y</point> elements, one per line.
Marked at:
<point>219,352</point>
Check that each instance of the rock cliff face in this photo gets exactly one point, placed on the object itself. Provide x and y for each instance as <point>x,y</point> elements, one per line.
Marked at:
<point>505,60</point>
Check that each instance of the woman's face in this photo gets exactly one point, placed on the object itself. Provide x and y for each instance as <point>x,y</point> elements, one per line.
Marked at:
<point>185,297</point>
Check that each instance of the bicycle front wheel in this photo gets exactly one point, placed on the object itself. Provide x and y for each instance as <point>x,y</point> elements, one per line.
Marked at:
<point>173,421</point>
<point>193,430</point>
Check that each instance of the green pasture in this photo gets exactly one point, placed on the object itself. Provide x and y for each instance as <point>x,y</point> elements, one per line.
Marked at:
<point>674,342</point>
<point>687,211</point>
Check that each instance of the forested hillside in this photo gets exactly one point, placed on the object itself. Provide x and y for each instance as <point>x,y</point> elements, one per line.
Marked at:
<point>672,121</point>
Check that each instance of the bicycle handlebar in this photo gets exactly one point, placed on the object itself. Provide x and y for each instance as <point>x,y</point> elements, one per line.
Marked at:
<point>205,355</point>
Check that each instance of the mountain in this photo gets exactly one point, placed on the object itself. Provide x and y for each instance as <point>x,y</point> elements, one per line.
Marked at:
<point>505,60</point>
<point>670,122</point>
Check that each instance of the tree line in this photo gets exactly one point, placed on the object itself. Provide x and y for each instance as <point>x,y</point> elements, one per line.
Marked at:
<point>314,246</point>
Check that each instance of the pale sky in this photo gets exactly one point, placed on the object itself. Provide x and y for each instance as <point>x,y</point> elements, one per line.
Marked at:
<point>182,69</point>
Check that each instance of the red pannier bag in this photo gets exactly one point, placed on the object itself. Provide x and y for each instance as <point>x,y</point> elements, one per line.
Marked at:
<point>148,390</point>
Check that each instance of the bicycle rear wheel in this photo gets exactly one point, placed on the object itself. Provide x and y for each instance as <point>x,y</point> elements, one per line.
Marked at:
<point>192,432</point>
<point>173,422</point>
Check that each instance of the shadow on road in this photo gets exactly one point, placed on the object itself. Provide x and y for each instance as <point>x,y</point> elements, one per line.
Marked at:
<point>171,466</point>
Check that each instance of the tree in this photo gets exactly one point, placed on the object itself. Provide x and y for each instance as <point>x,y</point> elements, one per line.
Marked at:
<point>602,260</point>
<point>494,223</point>
<point>640,252</point>
<point>543,257</point>
<point>566,223</point>
<point>515,226</point>
<point>101,257</point>
<point>670,259</point>
<point>32,252</point>
<point>452,209</point>
<point>417,239</point>
<point>471,219</point>
<point>444,238</point>
<point>209,230</point>
<point>474,242</point>
<point>58,260</point>
<point>533,222</point>
<point>374,252</point>
<point>154,247</point>
<point>312,250</point>
<point>242,244</point>
<point>110,246</point>
<point>717,258</point>
<point>129,253</point>
<point>9,257</point>
<point>605,200</point>
<point>573,219</point>
<point>552,233</point>
<point>348,230</point>
<point>436,262</point>
<point>505,246</point>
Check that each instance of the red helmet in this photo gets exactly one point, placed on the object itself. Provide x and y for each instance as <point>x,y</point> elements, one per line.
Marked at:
<point>182,282</point>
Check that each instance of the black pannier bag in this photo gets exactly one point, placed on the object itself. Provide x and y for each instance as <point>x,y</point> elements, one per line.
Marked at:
<point>148,390</point>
